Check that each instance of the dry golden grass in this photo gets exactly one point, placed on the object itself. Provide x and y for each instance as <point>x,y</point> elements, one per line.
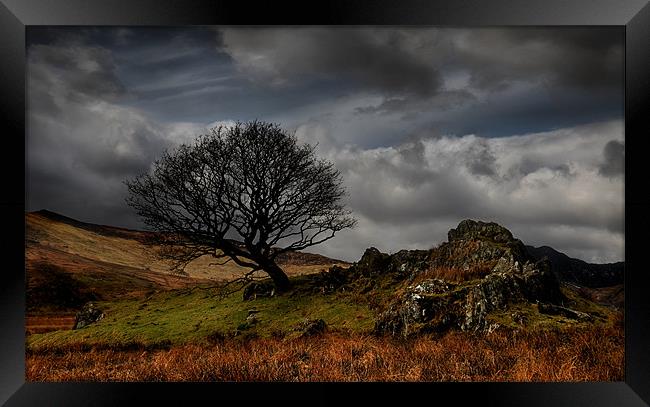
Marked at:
<point>594,354</point>
<point>47,323</point>
<point>78,249</point>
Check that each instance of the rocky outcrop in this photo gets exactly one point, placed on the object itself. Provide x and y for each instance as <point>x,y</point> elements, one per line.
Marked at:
<point>435,305</point>
<point>89,314</point>
<point>508,276</point>
<point>476,244</point>
<point>372,263</point>
<point>399,266</point>
<point>329,281</point>
<point>373,270</point>
<point>432,305</point>
<point>476,230</point>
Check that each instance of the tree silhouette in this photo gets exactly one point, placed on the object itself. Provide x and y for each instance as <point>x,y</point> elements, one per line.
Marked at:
<point>246,194</point>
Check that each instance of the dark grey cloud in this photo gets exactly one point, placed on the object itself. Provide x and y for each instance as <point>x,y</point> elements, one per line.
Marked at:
<point>410,107</point>
<point>614,159</point>
<point>375,59</point>
<point>530,109</point>
<point>538,185</point>
<point>415,120</point>
<point>88,197</point>
<point>565,57</point>
<point>73,73</point>
<point>81,144</point>
<point>414,70</point>
<point>481,160</point>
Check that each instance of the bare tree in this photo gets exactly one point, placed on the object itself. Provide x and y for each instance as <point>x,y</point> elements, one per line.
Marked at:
<point>246,194</point>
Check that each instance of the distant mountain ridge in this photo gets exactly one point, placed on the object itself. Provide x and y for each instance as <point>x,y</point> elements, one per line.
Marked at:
<point>578,271</point>
<point>105,230</point>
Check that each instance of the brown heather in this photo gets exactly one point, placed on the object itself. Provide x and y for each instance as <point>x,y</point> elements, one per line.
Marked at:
<point>588,354</point>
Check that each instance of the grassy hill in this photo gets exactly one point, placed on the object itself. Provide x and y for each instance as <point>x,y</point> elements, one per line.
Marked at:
<point>69,263</point>
<point>379,287</point>
<point>474,308</point>
<point>201,316</point>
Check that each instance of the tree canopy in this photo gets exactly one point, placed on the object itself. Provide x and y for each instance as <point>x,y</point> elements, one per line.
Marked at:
<point>245,193</point>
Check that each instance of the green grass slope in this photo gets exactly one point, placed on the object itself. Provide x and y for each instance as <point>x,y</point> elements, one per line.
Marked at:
<point>201,316</point>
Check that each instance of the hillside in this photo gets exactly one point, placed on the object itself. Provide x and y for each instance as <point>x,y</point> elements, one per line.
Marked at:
<point>69,262</point>
<point>481,280</point>
<point>579,271</point>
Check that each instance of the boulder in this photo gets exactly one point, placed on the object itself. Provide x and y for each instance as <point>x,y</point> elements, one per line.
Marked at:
<point>552,309</point>
<point>331,280</point>
<point>258,289</point>
<point>88,314</point>
<point>372,262</point>
<point>311,327</point>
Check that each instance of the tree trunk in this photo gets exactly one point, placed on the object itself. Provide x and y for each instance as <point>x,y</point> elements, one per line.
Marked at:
<point>280,279</point>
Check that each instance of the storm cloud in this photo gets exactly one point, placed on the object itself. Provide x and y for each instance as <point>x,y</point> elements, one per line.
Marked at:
<point>428,126</point>
<point>81,144</point>
<point>613,159</point>
<point>542,186</point>
<point>415,69</point>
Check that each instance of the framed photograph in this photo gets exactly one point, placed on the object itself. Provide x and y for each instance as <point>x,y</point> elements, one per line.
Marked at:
<point>353,202</point>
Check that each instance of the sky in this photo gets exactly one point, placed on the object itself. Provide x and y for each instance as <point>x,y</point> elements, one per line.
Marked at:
<point>428,126</point>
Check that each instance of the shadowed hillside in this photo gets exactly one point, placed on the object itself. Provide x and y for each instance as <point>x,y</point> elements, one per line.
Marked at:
<point>579,271</point>
<point>69,262</point>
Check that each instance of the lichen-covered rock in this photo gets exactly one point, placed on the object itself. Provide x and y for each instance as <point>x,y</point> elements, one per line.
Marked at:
<point>252,317</point>
<point>507,276</point>
<point>89,314</point>
<point>479,244</point>
<point>427,306</point>
<point>404,263</point>
<point>436,305</point>
<point>409,262</point>
<point>540,283</point>
<point>493,293</point>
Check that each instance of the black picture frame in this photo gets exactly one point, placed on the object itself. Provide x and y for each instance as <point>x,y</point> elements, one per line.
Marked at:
<point>633,16</point>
